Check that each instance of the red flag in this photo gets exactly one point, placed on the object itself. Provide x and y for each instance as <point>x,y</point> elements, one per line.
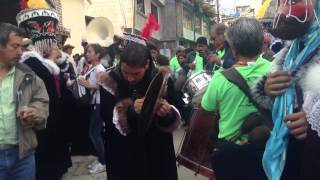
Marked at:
<point>150,26</point>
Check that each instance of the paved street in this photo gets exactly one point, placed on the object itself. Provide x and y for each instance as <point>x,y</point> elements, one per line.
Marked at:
<point>79,172</point>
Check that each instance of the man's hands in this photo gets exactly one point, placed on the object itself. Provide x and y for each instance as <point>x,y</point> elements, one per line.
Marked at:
<point>163,109</point>
<point>83,82</point>
<point>277,83</point>
<point>121,108</point>
<point>138,105</point>
<point>28,116</point>
<point>214,59</point>
<point>297,125</point>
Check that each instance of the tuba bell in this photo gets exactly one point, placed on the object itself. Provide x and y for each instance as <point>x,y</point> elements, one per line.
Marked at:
<point>100,30</point>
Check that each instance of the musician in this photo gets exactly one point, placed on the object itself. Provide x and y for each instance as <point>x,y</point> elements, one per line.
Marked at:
<point>174,62</point>
<point>128,155</point>
<point>292,151</point>
<point>223,55</point>
<point>200,59</point>
<point>237,159</point>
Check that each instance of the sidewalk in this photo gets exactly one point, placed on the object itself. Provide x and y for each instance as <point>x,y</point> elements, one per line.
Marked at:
<point>79,171</point>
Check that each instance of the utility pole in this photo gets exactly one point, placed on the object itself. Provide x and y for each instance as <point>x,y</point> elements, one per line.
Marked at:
<point>218,11</point>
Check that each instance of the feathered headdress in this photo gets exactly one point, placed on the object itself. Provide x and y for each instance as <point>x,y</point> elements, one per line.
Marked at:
<point>150,26</point>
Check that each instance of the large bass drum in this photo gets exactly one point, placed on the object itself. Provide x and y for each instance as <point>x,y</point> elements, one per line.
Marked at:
<point>195,86</point>
<point>195,150</point>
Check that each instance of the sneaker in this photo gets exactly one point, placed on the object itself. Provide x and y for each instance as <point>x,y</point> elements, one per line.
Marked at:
<point>98,168</point>
<point>90,166</point>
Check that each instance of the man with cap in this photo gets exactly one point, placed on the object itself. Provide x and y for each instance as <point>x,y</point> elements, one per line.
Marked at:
<point>199,59</point>
<point>68,49</point>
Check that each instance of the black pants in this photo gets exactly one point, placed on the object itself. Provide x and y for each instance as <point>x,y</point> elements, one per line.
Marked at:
<point>231,161</point>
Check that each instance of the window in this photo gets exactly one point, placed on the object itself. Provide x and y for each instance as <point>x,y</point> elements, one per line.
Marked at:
<point>198,25</point>
<point>154,11</point>
<point>187,20</point>
<point>140,6</point>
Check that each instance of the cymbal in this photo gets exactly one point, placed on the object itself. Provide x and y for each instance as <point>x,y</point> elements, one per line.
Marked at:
<point>151,102</point>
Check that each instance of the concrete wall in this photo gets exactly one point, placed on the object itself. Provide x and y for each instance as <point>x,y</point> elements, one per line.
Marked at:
<point>169,21</point>
<point>73,19</point>
<point>179,11</point>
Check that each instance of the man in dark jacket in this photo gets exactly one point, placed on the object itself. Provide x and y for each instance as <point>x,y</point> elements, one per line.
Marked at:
<point>129,155</point>
<point>223,54</point>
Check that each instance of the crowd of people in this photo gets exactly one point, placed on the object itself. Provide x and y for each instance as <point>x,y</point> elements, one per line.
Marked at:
<point>55,104</point>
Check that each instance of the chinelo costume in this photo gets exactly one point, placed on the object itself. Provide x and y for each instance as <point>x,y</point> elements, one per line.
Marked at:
<point>52,159</point>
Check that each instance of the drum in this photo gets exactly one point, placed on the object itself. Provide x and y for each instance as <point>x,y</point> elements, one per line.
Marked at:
<point>195,151</point>
<point>195,86</point>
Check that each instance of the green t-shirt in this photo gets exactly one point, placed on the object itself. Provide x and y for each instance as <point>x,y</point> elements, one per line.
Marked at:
<point>174,66</point>
<point>174,63</point>
<point>232,104</point>
<point>221,53</point>
<point>198,63</point>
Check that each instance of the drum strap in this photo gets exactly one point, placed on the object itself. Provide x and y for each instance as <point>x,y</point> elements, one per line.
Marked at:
<point>235,77</point>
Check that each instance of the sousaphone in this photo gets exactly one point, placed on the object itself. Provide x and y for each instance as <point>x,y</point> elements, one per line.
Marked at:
<point>154,94</point>
<point>100,30</point>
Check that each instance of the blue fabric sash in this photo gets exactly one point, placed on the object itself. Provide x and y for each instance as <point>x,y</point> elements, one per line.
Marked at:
<point>274,157</point>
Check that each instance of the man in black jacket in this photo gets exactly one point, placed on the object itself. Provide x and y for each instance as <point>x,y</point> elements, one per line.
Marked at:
<point>129,155</point>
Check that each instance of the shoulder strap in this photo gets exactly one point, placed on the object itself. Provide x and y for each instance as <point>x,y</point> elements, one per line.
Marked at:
<point>88,72</point>
<point>235,77</point>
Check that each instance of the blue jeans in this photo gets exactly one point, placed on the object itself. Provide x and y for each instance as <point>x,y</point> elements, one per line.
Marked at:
<point>11,168</point>
<point>95,132</point>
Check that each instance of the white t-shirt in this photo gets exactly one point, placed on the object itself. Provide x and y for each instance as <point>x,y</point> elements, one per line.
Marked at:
<point>93,81</point>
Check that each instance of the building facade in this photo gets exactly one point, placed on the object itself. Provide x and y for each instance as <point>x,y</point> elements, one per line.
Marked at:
<point>73,18</point>
<point>193,21</point>
<point>181,21</point>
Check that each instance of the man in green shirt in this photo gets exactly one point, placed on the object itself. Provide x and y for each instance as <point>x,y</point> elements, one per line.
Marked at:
<point>245,38</point>
<point>198,59</point>
<point>23,108</point>
<point>174,62</point>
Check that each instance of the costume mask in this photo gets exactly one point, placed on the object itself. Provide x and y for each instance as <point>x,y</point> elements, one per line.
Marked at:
<point>293,18</point>
<point>40,24</point>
